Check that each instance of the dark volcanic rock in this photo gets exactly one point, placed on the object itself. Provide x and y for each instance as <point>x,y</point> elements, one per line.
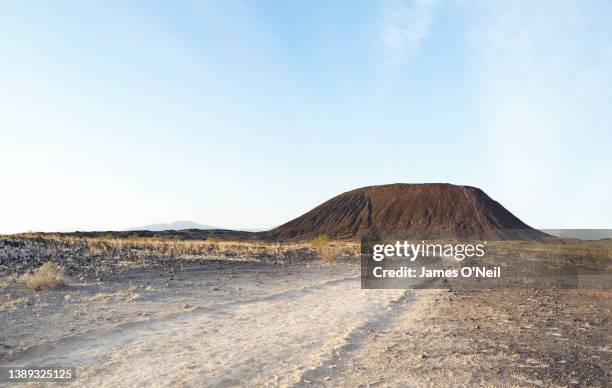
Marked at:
<point>431,207</point>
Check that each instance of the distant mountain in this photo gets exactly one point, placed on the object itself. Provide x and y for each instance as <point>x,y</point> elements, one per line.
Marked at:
<point>581,234</point>
<point>176,225</point>
<point>430,207</point>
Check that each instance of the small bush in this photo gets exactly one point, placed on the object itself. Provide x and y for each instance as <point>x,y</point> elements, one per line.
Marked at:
<point>324,248</point>
<point>329,254</point>
<point>49,275</point>
<point>320,242</point>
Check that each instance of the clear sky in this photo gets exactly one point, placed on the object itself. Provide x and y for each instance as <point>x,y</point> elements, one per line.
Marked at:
<point>245,114</point>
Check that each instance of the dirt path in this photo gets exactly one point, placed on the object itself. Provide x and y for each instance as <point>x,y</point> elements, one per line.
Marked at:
<point>272,340</point>
<point>253,324</point>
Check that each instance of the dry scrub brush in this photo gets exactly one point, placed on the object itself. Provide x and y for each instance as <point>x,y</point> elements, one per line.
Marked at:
<point>329,254</point>
<point>49,275</point>
<point>594,254</point>
<point>136,250</point>
<point>211,247</point>
<point>320,242</point>
<point>325,249</point>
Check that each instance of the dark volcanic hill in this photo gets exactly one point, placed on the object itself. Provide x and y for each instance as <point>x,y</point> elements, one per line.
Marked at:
<point>431,207</point>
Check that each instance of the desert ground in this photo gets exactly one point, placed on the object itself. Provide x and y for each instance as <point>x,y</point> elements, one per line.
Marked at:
<point>160,313</point>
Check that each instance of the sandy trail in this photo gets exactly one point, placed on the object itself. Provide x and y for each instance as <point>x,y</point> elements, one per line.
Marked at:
<point>272,340</point>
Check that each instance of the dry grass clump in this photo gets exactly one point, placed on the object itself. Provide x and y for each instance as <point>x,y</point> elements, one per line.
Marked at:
<point>325,250</point>
<point>329,254</point>
<point>320,242</point>
<point>598,258</point>
<point>49,275</point>
<point>8,281</point>
<point>11,305</point>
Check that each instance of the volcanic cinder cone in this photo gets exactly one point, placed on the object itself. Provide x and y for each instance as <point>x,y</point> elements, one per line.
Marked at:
<point>431,207</point>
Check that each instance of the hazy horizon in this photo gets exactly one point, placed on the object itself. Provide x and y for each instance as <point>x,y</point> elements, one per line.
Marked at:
<point>246,114</point>
<point>158,226</point>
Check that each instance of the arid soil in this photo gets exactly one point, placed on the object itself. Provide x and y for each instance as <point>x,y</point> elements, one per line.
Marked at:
<point>206,321</point>
<point>503,338</point>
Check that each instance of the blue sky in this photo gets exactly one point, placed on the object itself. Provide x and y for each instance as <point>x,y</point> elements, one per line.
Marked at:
<point>245,114</point>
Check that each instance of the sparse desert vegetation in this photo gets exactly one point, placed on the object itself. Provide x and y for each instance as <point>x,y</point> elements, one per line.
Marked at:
<point>327,250</point>
<point>204,294</point>
<point>320,242</point>
<point>102,254</point>
<point>106,253</point>
<point>11,304</point>
<point>586,254</point>
<point>9,281</point>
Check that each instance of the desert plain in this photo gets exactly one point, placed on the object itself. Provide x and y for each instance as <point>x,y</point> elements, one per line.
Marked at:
<point>157,312</point>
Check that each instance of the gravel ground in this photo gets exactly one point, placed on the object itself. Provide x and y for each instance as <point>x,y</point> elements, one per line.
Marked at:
<point>246,322</point>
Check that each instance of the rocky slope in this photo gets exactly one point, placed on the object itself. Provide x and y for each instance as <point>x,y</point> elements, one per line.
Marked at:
<point>431,207</point>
